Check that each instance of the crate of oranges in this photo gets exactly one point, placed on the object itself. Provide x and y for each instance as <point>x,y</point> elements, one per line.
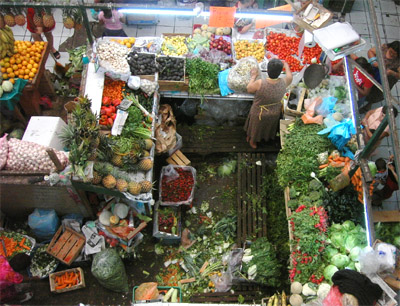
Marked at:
<point>25,62</point>
<point>248,47</point>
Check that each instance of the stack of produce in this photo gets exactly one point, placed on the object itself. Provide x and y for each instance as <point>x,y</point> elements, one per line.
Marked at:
<point>112,97</point>
<point>167,220</point>
<point>128,42</point>
<point>13,16</point>
<point>171,68</point>
<point>198,41</point>
<point>7,42</point>
<point>174,45</point>
<point>221,44</point>
<point>203,76</point>
<point>113,57</point>
<point>180,189</point>
<point>14,243</point>
<point>72,18</point>
<point>24,62</point>
<point>42,263</point>
<point>141,63</point>
<point>245,48</point>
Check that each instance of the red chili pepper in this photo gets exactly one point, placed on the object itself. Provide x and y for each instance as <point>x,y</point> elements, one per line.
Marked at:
<point>113,116</point>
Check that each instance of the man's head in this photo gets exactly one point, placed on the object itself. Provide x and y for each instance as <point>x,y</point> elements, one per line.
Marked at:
<point>384,109</point>
<point>274,68</point>
<point>380,164</point>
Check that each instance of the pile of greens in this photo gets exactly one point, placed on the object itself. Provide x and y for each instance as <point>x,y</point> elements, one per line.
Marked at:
<point>298,158</point>
<point>203,76</point>
<point>42,264</point>
<point>144,99</point>
<point>75,57</point>
<point>263,265</point>
<point>388,232</point>
<point>343,205</point>
<point>345,244</point>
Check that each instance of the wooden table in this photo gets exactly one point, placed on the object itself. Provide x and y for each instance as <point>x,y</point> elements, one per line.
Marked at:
<point>30,97</point>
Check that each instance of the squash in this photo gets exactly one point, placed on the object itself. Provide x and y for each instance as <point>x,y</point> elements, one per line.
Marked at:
<point>211,30</point>
<point>114,220</point>
<point>227,31</point>
<point>219,31</point>
<point>204,33</point>
<point>104,217</point>
<point>197,31</point>
<point>7,86</point>
<point>204,27</point>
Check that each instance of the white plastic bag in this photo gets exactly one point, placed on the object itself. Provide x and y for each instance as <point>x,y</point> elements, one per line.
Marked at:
<point>239,76</point>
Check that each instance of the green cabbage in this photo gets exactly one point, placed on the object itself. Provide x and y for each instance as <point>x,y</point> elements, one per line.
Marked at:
<point>336,227</point>
<point>329,271</point>
<point>351,266</point>
<point>340,260</point>
<point>348,225</point>
<point>372,168</point>
<point>330,252</point>
<point>338,239</point>
<point>355,253</point>
<point>351,242</point>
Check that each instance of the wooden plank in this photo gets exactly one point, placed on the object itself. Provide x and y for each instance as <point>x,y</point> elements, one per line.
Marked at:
<point>66,248</point>
<point>254,193</point>
<point>259,191</point>
<point>74,251</point>
<point>248,199</point>
<point>264,215</point>
<point>239,202</point>
<point>386,216</point>
<point>60,243</point>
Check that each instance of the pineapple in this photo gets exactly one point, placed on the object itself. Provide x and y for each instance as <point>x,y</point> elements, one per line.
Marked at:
<point>145,164</point>
<point>122,185</point>
<point>145,186</point>
<point>134,188</point>
<point>9,19</point>
<point>20,18</point>
<point>117,160</point>
<point>48,19</point>
<point>37,20</point>
<point>93,155</point>
<point>68,22</point>
<point>2,22</point>
<point>148,144</point>
<point>146,153</point>
<point>96,178</point>
<point>109,181</point>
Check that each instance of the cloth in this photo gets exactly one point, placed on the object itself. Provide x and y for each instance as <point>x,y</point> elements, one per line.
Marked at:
<point>113,23</point>
<point>359,285</point>
<point>115,33</point>
<point>31,26</point>
<point>263,119</point>
<point>361,80</point>
<point>8,278</point>
<point>10,99</point>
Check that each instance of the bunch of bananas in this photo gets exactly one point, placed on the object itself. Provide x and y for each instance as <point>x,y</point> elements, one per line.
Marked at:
<point>278,300</point>
<point>7,42</point>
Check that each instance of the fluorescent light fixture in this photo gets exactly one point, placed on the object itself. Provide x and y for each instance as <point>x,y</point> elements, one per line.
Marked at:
<point>151,11</point>
<point>284,17</point>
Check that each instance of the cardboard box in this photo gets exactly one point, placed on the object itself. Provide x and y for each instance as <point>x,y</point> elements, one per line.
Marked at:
<point>44,130</point>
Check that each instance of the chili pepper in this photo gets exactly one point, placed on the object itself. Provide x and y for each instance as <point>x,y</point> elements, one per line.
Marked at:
<point>113,116</point>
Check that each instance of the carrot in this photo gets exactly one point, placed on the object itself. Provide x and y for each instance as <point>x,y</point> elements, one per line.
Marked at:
<point>323,166</point>
<point>61,286</point>
<point>22,243</point>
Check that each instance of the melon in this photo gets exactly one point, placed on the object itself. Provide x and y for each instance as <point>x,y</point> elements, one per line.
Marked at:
<point>219,31</point>
<point>227,31</point>
<point>197,31</point>
<point>204,27</point>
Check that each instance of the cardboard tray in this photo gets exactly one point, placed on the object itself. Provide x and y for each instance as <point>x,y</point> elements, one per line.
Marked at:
<point>66,246</point>
<point>52,277</point>
<point>298,17</point>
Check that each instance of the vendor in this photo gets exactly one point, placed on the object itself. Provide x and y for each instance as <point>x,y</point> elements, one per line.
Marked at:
<point>387,177</point>
<point>112,23</point>
<point>263,119</point>
<point>243,25</point>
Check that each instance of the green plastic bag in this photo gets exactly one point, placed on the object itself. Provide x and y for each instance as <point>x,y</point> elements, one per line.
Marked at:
<point>109,270</point>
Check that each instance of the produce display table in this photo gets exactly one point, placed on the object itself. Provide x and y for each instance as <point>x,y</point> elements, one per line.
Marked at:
<point>31,95</point>
<point>186,95</point>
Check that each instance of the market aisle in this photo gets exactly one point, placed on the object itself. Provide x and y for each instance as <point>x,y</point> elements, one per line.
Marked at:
<point>388,16</point>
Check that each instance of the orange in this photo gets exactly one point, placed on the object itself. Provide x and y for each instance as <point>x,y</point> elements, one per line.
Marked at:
<point>31,74</point>
<point>6,64</point>
<point>9,70</point>
<point>12,61</point>
<point>34,70</point>
<point>11,75</point>
<point>3,70</point>
<point>5,76</point>
<point>12,80</point>
<point>29,66</point>
<point>15,67</point>
<point>35,65</point>
<point>26,76</point>
<point>24,63</point>
<point>18,61</point>
<point>27,71</point>
<point>31,61</point>
<point>21,76</point>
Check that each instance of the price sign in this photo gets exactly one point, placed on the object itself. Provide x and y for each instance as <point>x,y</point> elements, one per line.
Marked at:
<point>263,23</point>
<point>222,16</point>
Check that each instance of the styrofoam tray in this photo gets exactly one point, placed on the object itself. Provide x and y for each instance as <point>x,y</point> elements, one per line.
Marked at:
<point>335,36</point>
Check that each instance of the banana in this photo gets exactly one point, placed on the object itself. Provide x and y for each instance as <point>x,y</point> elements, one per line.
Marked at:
<point>3,37</point>
<point>283,298</point>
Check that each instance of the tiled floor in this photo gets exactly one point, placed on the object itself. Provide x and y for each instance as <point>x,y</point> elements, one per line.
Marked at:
<point>388,16</point>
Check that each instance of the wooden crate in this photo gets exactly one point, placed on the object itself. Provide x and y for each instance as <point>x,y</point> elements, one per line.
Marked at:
<point>297,112</point>
<point>283,131</point>
<point>178,158</point>
<point>52,277</point>
<point>298,15</point>
<point>66,246</point>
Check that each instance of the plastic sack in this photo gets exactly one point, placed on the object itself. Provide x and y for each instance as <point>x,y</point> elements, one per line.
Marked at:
<point>134,82</point>
<point>326,107</point>
<point>340,134</point>
<point>109,270</point>
<point>222,283</point>
<point>163,173</point>
<point>189,107</point>
<point>222,111</point>
<point>239,76</point>
<point>146,291</point>
<point>334,297</point>
<point>3,151</point>
<point>308,119</point>
<point>223,83</point>
<point>311,104</point>
<point>8,276</point>
<point>170,173</point>
<point>44,223</point>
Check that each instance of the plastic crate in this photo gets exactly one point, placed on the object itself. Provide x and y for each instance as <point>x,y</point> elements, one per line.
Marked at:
<point>156,300</point>
<point>167,238</point>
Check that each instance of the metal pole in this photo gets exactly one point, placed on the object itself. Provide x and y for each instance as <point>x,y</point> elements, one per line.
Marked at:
<point>86,21</point>
<point>386,90</point>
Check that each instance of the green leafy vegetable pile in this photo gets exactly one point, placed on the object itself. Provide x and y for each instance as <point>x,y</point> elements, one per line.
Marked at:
<point>203,76</point>
<point>388,232</point>
<point>298,158</point>
<point>264,264</point>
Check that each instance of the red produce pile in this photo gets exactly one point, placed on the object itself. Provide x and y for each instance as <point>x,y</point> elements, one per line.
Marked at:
<point>177,190</point>
<point>220,44</point>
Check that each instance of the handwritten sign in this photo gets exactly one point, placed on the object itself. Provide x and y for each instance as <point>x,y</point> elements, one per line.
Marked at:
<point>222,16</point>
<point>263,23</point>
